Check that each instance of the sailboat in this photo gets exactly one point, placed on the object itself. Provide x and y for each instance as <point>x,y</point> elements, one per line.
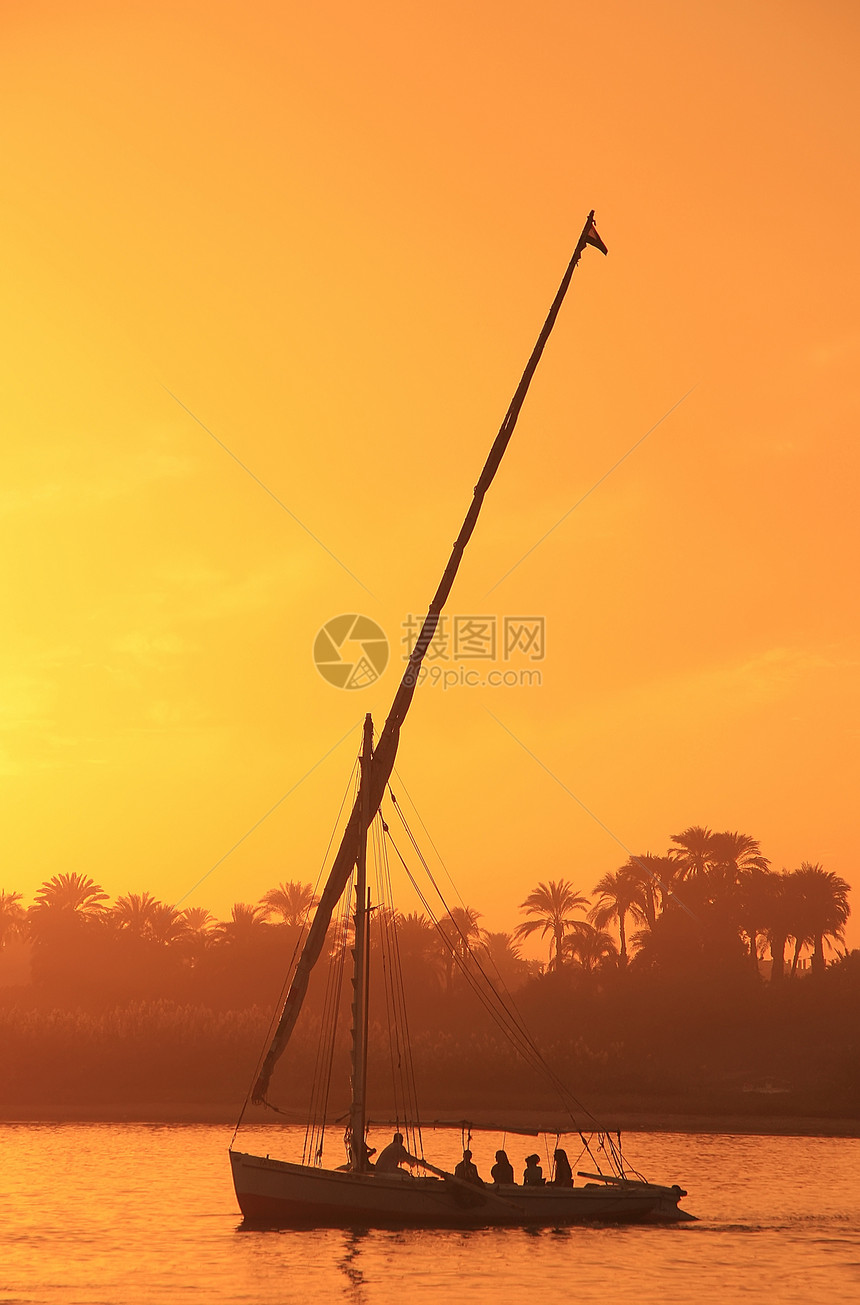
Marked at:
<point>283,1193</point>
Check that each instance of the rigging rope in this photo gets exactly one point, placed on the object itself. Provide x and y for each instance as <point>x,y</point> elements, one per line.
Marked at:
<point>350,785</point>
<point>494,997</point>
<point>400,1042</point>
<point>502,1010</point>
<point>312,1149</point>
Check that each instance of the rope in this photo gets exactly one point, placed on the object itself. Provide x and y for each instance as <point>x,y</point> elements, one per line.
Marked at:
<point>321,1084</point>
<point>291,967</point>
<point>400,1041</point>
<point>504,1013</point>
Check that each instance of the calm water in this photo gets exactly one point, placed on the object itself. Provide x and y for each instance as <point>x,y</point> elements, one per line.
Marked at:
<point>124,1215</point>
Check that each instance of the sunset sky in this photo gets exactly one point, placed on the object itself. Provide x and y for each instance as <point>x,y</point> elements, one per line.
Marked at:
<point>332,232</point>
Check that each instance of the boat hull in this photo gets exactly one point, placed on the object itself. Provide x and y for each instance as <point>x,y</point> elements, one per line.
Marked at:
<point>277,1193</point>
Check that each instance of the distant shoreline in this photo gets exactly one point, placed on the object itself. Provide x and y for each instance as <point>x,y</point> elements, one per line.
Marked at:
<point>627,1121</point>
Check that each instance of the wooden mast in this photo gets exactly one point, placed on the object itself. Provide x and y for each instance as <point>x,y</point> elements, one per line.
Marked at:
<point>361,964</point>
<point>386,748</point>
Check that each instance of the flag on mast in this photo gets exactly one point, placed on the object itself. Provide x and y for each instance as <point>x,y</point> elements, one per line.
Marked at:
<point>592,238</point>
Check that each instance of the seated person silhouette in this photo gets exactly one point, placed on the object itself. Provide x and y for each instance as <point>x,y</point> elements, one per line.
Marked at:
<point>533,1175</point>
<point>394,1155</point>
<point>359,1157</point>
<point>467,1172</point>
<point>502,1171</point>
<point>563,1176</point>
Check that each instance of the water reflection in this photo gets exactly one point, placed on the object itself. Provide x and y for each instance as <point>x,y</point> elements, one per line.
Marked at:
<point>349,1266</point>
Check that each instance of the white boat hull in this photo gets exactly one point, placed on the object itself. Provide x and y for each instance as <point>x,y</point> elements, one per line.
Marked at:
<point>281,1194</point>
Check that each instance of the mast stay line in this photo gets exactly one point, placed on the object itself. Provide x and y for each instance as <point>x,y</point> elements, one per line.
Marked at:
<point>381,765</point>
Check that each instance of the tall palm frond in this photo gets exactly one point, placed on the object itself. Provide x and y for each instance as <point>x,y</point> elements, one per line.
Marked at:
<point>291,900</point>
<point>552,906</point>
<point>621,893</point>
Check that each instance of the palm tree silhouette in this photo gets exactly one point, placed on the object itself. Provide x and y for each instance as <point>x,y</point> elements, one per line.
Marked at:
<point>169,924</point>
<point>738,883</point>
<point>621,894</point>
<point>733,853</point>
<point>12,916</point>
<point>553,905</point>
<point>197,919</point>
<point>823,910</point>
<point>418,943</point>
<point>501,952</point>
<point>588,948</point>
<point>292,901</point>
<point>197,932</point>
<point>67,899</point>
<point>694,852</point>
<point>778,914</point>
<point>458,930</point>
<point>247,923</point>
<point>136,913</point>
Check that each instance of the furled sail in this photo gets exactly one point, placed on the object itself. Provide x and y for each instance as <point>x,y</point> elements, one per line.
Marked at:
<point>386,749</point>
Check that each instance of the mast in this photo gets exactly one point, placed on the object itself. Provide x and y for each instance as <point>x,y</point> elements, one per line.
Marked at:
<point>382,762</point>
<point>361,963</point>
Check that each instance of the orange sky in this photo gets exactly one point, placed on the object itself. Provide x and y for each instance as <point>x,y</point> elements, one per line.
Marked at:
<point>333,232</point>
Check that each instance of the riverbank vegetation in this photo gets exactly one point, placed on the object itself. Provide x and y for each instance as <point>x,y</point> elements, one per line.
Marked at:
<point>699,981</point>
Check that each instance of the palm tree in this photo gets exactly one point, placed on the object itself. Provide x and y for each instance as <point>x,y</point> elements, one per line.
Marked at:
<point>588,948</point>
<point>693,852</point>
<point>755,900</point>
<point>717,867</point>
<point>552,904</point>
<point>737,879</point>
<point>292,901</point>
<point>169,924</point>
<point>654,877</point>
<point>196,933</point>
<point>823,909</point>
<point>136,913</point>
<point>501,952</point>
<point>734,853</point>
<point>197,919</point>
<point>246,924</point>
<point>778,915</point>
<point>66,923</point>
<point>418,944</point>
<point>621,894</point>
<point>71,893</point>
<point>66,900</point>
<point>415,932</point>
<point>459,930</point>
<point>12,916</point>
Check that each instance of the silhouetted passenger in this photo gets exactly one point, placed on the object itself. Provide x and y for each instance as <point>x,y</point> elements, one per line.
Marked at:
<point>354,1162</point>
<point>366,1152</point>
<point>563,1174</point>
<point>394,1155</point>
<point>533,1174</point>
<point>502,1171</point>
<point>467,1172</point>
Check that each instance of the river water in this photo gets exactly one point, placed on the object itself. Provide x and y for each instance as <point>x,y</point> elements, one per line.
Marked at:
<point>106,1214</point>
